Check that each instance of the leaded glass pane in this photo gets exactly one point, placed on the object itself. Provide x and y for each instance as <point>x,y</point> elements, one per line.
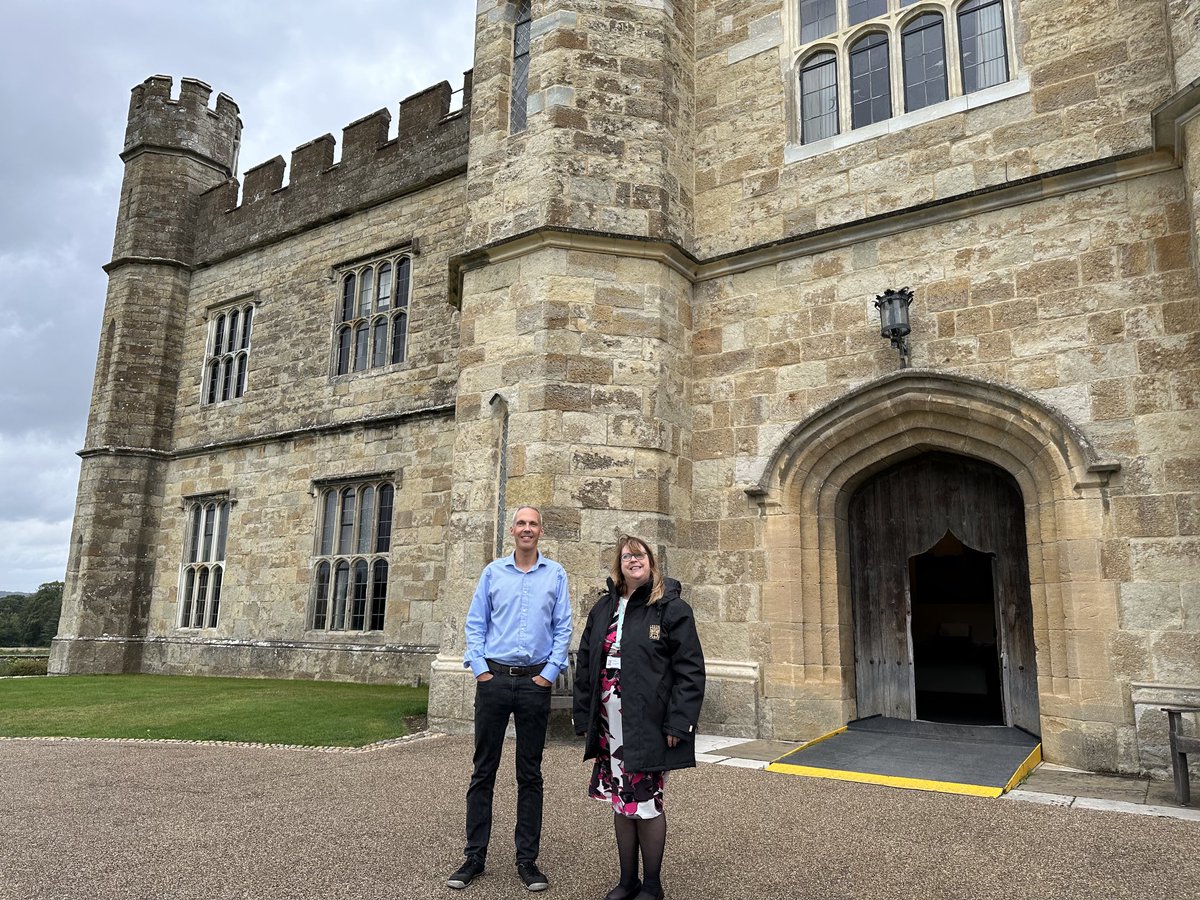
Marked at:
<point>870,86</point>
<point>343,358</point>
<point>321,606</point>
<point>924,52</point>
<point>520,74</point>
<point>818,98</point>
<point>384,290</point>
<point>239,387</point>
<point>346,530</point>
<point>246,320</point>
<point>226,377</point>
<point>358,609</point>
<point>222,530</point>
<point>379,342</point>
<point>201,599</point>
<point>206,543</point>
<point>378,594</point>
<point>328,517</point>
<point>365,282</point>
<point>861,10</point>
<point>214,604</point>
<point>403,266</point>
<point>189,586</point>
<point>218,344</point>
<point>341,584</point>
<point>348,298</point>
<point>383,538</point>
<point>194,541</point>
<point>232,337</point>
<point>362,336</point>
<point>817,19</point>
<point>366,519</point>
<point>982,44</point>
<point>399,332</point>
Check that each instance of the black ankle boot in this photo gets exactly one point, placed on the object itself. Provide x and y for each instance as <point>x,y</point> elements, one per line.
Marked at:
<point>621,892</point>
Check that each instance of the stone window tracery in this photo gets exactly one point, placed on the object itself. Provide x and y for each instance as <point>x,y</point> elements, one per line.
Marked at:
<point>350,575</point>
<point>371,329</point>
<point>856,63</point>
<point>227,353</point>
<point>203,570</point>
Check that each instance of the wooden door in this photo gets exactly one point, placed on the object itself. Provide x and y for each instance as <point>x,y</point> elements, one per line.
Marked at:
<point>902,512</point>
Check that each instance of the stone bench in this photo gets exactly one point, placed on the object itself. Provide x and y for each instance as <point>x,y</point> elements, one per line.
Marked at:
<point>1181,746</point>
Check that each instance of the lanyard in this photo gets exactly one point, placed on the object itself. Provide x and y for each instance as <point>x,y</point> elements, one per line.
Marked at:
<point>621,606</point>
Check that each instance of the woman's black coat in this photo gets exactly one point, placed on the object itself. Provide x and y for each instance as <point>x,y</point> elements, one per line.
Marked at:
<point>662,678</point>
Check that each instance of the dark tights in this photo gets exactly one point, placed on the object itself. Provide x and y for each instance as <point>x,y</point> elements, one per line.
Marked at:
<point>647,837</point>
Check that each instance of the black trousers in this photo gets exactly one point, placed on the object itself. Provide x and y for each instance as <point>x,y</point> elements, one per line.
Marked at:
<point>529,705</point>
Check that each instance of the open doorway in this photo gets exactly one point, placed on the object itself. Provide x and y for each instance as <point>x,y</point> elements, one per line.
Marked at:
<point>956,659</point>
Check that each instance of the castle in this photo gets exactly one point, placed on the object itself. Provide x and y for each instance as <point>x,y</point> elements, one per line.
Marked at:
<point>633,281</point>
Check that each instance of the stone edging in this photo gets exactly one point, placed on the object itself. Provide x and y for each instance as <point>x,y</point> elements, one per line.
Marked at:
<point>368,748</point>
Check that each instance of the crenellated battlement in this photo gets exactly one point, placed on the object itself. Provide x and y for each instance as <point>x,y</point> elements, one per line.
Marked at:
<point>158,121</point>
<point>430,146</point>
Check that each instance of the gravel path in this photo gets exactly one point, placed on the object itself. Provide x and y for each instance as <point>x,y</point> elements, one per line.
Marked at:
<point>156,820</point>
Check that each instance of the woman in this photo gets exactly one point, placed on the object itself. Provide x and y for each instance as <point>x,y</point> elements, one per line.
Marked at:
<point>639,683</point>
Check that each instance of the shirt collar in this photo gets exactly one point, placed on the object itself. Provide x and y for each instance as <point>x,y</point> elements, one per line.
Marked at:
<point>511,560</point>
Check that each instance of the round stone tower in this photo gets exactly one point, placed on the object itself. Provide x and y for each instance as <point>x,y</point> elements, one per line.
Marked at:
<point>175,150</point>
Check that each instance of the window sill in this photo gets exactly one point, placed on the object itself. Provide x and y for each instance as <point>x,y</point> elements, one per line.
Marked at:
<point>1015,88</point>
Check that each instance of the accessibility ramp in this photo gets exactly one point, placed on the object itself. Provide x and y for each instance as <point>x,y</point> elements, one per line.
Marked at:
<point>980,760</point>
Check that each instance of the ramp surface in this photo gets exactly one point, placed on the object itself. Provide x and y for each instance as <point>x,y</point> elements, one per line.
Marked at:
<point>982,760</point>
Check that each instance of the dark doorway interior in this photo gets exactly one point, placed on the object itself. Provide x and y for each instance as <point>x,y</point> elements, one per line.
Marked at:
<point>956,663</point>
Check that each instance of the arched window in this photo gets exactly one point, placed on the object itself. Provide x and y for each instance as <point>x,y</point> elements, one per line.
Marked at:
<point>365,331</point>
<point>351,571</point>
<point>203,568</point>
<point>870,81</point>
<point>924,51</point>
<point>818,98</point>
<point>227,360</point>
<point>517,113</point>
<point>982,44</point>
<point>849,56</point>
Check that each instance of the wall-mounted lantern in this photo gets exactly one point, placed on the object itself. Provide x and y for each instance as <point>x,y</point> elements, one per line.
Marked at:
<point>893,319</point>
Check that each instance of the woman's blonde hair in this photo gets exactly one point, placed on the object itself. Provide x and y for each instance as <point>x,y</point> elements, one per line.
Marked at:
<point>656,580</point>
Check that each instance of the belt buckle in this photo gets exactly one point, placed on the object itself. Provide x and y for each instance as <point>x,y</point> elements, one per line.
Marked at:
<point>515,671</point>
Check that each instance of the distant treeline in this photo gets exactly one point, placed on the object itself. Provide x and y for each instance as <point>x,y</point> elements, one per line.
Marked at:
<point>31,620</point>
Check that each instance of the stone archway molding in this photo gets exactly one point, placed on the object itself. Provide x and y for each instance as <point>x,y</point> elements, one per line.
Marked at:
<point>909,391</point>
<point>803,492</point>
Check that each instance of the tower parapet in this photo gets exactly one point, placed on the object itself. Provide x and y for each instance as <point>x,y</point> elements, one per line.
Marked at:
<point>156,121</point>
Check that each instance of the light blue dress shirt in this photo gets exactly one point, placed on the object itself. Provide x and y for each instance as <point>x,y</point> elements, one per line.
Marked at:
<point>520,618</point>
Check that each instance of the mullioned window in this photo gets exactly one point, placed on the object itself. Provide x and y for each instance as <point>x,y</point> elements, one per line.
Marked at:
<point>227,353</point>
<point>371,327</point>
<point>354,539</point>
<point>861,62</point>
<point>203,570</point>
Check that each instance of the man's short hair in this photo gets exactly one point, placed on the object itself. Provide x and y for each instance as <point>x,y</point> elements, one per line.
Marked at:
<point>526,506</point>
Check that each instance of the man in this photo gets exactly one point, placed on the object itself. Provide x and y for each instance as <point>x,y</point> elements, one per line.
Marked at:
<point>518,629</point>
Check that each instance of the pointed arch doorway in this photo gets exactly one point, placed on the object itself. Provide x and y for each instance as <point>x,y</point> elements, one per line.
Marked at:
<point>940,594</point>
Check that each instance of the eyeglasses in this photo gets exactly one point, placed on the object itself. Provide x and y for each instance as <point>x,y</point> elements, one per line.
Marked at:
<point>626,557</point>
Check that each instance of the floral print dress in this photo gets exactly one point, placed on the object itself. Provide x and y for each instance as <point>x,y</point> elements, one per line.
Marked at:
<point>638,795</point>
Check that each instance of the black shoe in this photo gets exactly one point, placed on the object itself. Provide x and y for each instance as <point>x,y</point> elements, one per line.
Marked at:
<point>467,872</point>
<point>620,892</point>
<point>532,876</point>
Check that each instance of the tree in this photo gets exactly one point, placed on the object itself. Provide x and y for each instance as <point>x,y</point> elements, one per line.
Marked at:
<point>31,620</point>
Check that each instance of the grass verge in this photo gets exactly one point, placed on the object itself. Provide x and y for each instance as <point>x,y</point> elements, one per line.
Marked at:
<point>313,713</point>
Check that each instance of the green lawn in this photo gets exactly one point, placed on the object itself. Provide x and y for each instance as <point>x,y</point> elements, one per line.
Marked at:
<point>313,713</point>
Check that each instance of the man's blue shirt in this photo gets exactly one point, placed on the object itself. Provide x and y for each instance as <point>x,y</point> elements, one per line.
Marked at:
<point>520,618</point>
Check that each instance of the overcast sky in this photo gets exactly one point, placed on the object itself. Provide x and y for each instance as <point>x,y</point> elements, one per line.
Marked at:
<point>296,70</point>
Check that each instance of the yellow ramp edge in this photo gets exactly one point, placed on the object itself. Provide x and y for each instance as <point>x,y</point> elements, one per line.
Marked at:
<point>897,781</point>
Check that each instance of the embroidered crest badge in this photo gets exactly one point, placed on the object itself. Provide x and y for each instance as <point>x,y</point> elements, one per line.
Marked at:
<point>655,632</point>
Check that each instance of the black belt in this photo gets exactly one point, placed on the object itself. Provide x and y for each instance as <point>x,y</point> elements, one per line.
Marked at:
<point>499,668</point>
